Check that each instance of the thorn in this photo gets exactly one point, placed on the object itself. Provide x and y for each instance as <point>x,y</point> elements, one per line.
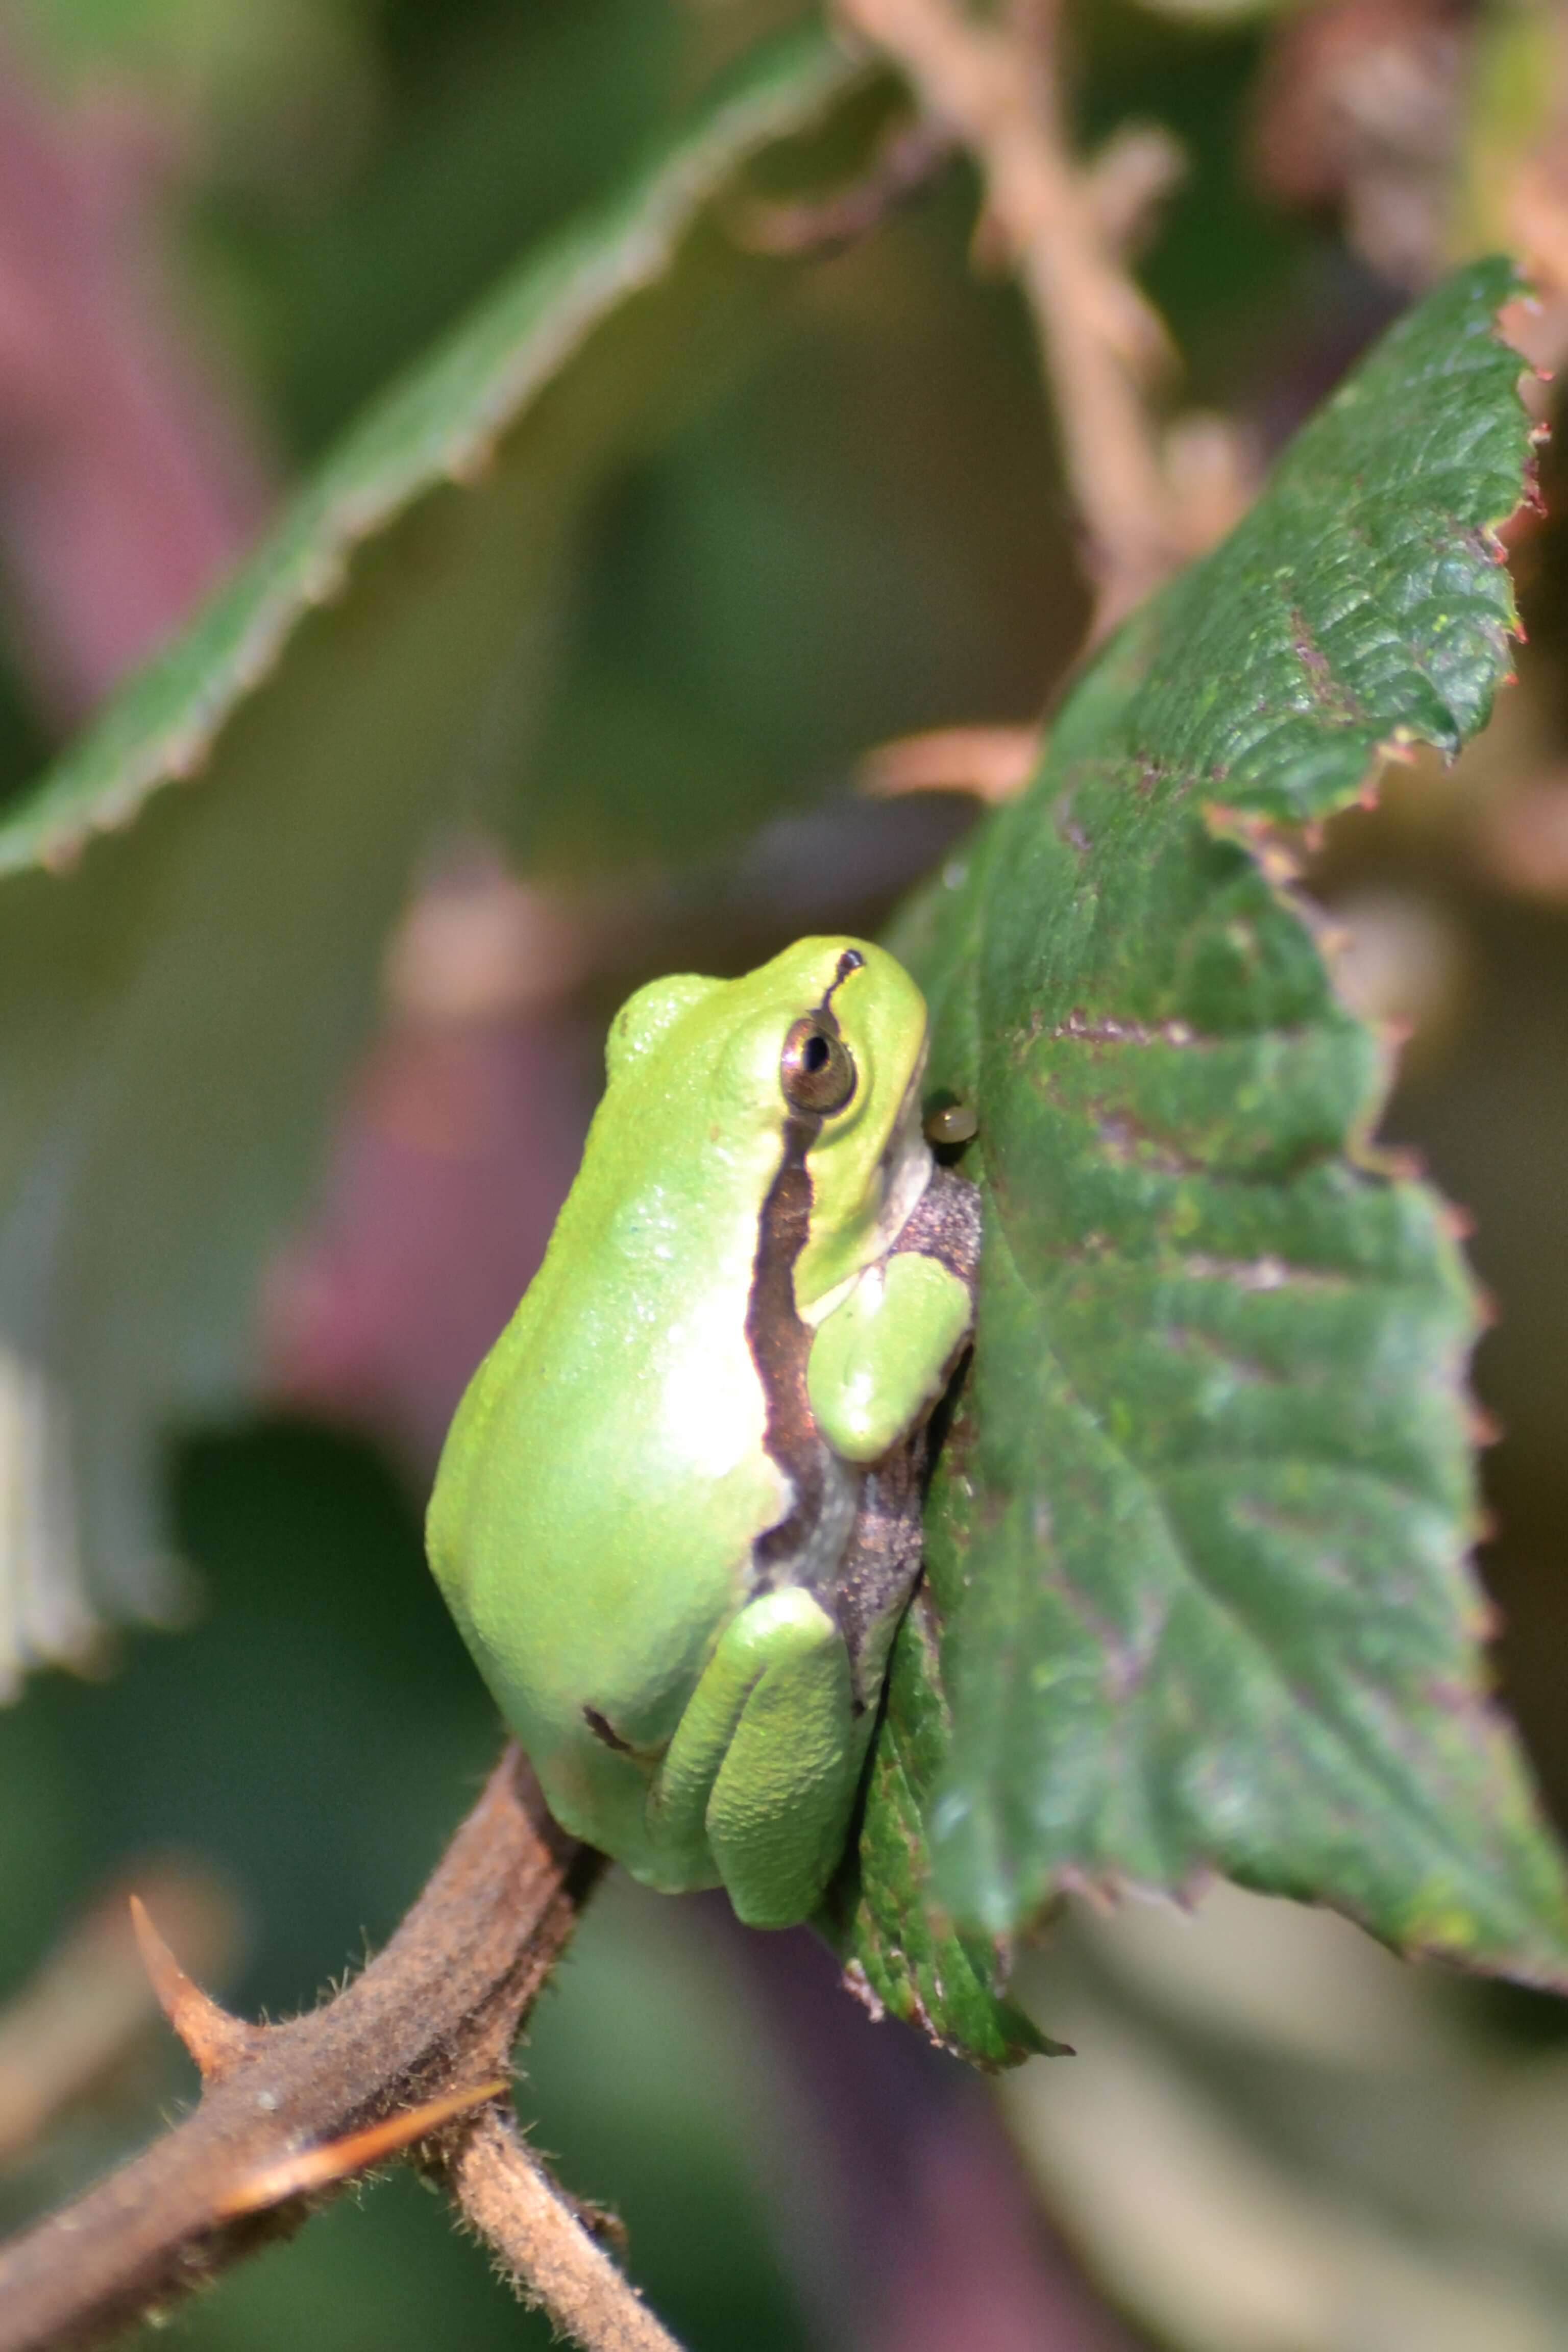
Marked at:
<point>471,463</point>
<point>59,852</point>
<point>216,2041</point>
<point>602,2224</point>
<point>335,2160</point>
<point>1400,1160</point>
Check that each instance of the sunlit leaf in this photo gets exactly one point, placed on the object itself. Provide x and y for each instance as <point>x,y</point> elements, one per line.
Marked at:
<point>1200,1536</point>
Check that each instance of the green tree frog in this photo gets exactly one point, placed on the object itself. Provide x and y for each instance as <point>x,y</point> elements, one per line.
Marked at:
<point>677,1517</point>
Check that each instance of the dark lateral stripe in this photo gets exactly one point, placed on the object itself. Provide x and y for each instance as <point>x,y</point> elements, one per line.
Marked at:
<point>779,1341</point>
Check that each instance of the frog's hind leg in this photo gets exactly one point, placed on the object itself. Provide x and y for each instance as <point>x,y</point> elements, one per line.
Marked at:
<point>765,1762</point>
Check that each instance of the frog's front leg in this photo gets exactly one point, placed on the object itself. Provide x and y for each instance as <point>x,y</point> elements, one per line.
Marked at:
<point>764,1761</point>
<point>882,1359</point>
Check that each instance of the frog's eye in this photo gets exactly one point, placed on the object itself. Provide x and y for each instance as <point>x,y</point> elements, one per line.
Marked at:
<point>817,1070</point>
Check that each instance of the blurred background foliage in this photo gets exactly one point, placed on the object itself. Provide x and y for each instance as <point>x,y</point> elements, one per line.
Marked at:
<point>862,534</point>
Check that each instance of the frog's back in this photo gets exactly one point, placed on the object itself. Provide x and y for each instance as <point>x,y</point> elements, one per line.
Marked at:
<point>611,1443</point>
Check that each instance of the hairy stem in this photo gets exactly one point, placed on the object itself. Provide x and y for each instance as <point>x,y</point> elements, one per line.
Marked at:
<point>406,2060</point>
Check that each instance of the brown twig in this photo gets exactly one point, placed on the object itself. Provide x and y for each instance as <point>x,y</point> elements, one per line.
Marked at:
<point>994,82</point>
<point>289,2113</point>
<point>904,165</point>
<point>992,763</point>
<point>538,2233</point>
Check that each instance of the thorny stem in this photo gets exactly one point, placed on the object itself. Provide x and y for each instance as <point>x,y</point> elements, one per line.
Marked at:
<point>994,83</point>
<point>406,2060</point>
<point>71,2029</point>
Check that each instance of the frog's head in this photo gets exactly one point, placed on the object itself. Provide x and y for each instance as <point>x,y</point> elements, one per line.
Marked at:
<point>828,1044</point>
<point>810,1064</point>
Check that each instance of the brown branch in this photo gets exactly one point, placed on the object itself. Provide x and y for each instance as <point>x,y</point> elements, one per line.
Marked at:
<point>994,81</point>
<point>538,2236</point>
<point>289,2113</point>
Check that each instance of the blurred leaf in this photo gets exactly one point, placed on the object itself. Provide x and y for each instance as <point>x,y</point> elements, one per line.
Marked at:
<point>181,987</point>
<point>1199,1534</point>
<point>440,193</point>
<point>210,61</point>
<point>1277,2131</point>
<point>1510,97</point>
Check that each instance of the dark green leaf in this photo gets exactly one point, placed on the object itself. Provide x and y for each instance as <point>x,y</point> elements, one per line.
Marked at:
<point>898,1957</point>
<point>1199,1538</point>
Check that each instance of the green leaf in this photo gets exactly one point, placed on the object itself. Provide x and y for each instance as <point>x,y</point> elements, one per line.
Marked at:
<point>1199,1536</point>
<point>192,903</point>
<point>878,1914</point>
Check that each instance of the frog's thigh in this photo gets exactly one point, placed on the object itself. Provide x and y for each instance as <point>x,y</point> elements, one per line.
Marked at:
<point>766,1757</point>
<point>879,1360</point>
